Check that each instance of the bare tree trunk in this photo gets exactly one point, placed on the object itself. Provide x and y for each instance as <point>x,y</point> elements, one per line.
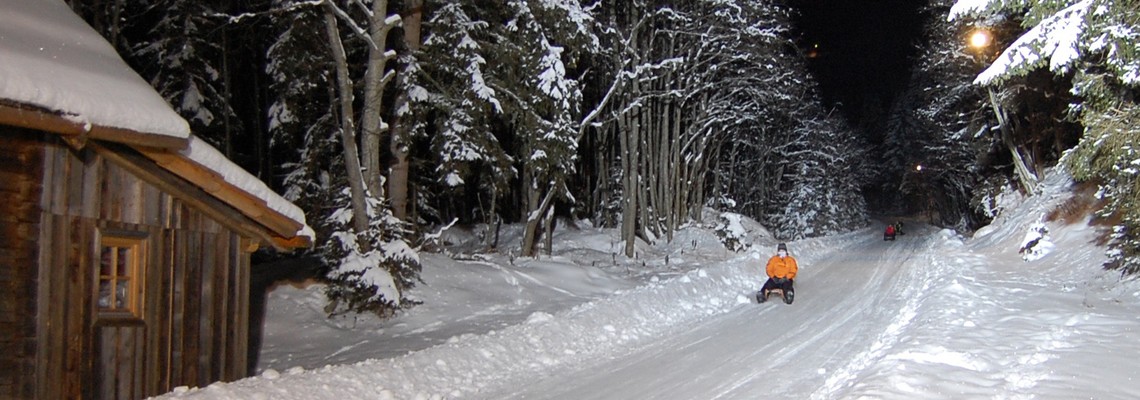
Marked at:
<point>675,174</point>
<point>116,26</point>
<point>534,217</point>
<point>399,144</point>
<point>492,219</point>
<point>375,80</point>
<point>1025,176</point>
<point>699,172</point>
<point>548,226</point>
<point>348,129</point>
<point>629,190</point>
<point>640,170</point>
<point>653,159</point>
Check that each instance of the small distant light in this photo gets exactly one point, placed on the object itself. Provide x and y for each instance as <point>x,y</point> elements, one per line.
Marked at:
<point>918,168</point>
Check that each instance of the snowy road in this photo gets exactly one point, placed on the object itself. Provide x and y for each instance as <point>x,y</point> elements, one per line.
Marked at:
<point>934,315</point>
<point>852,298</point>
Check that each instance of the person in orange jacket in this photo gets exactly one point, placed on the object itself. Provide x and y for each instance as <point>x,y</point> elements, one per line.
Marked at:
<point>782,269</point>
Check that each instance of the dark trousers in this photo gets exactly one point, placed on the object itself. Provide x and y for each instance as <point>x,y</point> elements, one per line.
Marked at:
<point>778,283</point>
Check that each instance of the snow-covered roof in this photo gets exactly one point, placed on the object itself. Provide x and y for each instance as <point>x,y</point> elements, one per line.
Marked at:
<point>58,74</point>
<point>203,154</point>
<point>53,60</point>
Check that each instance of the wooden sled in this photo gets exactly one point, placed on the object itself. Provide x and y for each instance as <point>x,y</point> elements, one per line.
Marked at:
<point>788,297</point>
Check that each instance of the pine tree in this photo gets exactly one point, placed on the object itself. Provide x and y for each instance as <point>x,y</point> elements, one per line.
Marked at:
<point>183,56</point>
<point>451,90</point>
<point>529,98</point>
<point>371,264</point>
<point>302,121</point>
<point>1096,43</point>
<point>938,128</point>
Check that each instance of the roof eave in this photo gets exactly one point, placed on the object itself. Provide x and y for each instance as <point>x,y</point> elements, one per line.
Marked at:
<point>32,117</point>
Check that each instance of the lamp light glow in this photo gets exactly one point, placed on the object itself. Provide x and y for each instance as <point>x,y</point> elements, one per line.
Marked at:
<point>980,39</point>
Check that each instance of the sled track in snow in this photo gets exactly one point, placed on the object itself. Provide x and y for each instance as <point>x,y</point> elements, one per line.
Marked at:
<point>814,348</point>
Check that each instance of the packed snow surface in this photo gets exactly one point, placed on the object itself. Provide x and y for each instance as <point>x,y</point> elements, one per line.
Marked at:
<point>932,315</point>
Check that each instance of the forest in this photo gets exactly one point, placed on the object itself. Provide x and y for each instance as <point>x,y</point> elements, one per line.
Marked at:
<point>387,121</point>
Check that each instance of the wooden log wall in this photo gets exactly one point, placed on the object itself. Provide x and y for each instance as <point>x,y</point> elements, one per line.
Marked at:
<point>21,164</point>
<point>191,327</point>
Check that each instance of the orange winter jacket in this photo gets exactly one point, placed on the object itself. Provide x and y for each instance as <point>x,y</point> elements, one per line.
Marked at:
<point>782,267</point>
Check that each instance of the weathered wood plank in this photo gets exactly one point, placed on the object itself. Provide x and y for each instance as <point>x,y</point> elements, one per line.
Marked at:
<point>15,232</point>
<point>203,202</point>
<point>81,319</point>
<point>21,208</point>
<point>163,325</point>
<point>225,281</point>
<point>89,186</point>
<point>211,290</point>
<point>26,116</point>
<point>240,260</point>
<point>73,183</point>
<point>191,320</point>
<point>216,185</point>
<point>19,226</point>
<point>195,278</point>
<point>55,175</point>
<point>53,306</point>
<point>17,183</point>
<point>178,309</point>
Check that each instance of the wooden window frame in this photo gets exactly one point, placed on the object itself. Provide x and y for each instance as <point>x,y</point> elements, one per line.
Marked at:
<point>135,276</point>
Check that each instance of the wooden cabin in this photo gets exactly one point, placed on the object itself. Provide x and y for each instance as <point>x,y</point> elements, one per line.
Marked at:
<point>125,241</point>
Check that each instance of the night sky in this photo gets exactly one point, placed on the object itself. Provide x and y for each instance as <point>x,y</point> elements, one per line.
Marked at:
<point>864,53</point>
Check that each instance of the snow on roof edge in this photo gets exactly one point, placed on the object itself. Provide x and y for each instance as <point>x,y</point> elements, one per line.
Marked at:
<point>208,157</point>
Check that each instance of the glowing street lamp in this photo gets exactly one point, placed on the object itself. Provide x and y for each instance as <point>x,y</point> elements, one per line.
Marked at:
<point>918,168</point>
<point>980,38</point>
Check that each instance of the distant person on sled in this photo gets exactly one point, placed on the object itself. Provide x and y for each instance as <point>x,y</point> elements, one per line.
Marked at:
<point>781,271</point>
<point>890,233</point>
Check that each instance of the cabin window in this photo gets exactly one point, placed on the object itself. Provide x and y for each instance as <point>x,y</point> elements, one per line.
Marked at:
<point>119,276</point>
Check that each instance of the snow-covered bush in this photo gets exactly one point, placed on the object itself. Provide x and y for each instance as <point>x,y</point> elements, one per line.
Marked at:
<point>1036,243</point>
<point>371,271</point>
<point>1108,155</point>
<point>994,195</point>
<point>731,231</point>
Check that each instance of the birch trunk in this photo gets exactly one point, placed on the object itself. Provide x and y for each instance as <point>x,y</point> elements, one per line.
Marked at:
<point>348,129</point>
<point>1025,176</point>
<point>629,191</point>
<point>639,179</point>
<point>653,160</point>
<point>674,200</point>
<point>375,80</point>
<point>399,144</point>
<point>548,226</point>
<point>530,235</point>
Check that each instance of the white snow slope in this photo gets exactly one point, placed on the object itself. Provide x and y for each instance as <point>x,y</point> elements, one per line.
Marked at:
<point>931,315</point>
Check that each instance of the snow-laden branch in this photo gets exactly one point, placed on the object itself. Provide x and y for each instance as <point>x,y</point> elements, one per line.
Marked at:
<point>233,19</point>
<point>332,8</point>
<point>1056,38</point>
<point>363,7</point>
